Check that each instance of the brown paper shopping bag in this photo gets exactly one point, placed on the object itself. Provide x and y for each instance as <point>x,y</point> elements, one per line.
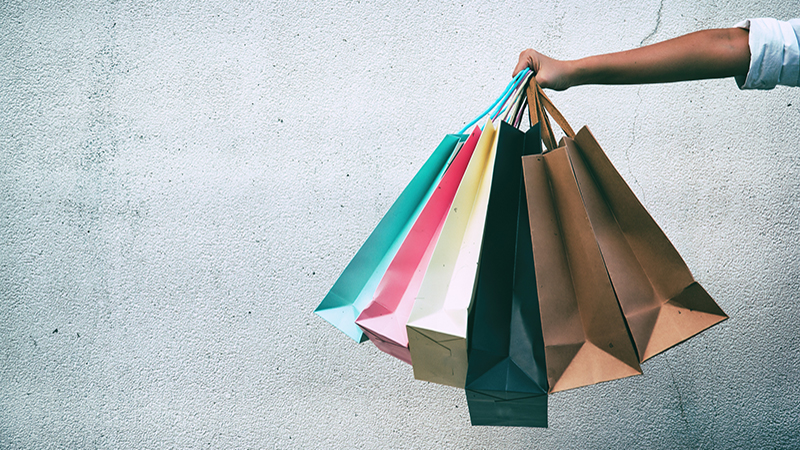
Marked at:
<point>662,303</point>
<point>585,337</point>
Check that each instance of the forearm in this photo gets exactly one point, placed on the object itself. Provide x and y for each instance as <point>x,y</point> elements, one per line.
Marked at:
<point>718,53</point>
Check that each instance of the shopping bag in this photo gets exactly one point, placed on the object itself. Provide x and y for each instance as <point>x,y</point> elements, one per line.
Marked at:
<point>506,382</point>
<point>356,285</point>
<point>384,319</point>
<point>437,325</point>
<point>662,303</point>
<point>585,336</point>
<point>586,340</point>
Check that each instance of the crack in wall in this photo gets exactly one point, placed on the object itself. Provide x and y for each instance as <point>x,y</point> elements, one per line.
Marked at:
<point>639,96</point>
<point>639,104</point>
<point>680,398</point>
<point>658,24</point>
<point>633,141</point>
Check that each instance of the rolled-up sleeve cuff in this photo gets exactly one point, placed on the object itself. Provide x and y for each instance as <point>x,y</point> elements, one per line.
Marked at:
<point>774,54</point>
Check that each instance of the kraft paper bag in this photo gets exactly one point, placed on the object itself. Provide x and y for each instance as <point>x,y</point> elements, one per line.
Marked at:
<point>356,285</point>
<point>662,303</point>
<point>585,337</point>
<point>384,320</point>
<point>506,382</point>
<point>437,325</point>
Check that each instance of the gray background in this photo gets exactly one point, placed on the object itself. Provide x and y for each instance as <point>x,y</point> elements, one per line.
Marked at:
<point>182,182</point>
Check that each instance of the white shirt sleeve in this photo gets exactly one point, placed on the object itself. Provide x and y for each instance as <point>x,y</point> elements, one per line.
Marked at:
<point>774,54</point>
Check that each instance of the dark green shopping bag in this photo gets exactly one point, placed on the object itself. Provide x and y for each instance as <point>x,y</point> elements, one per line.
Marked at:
<point>506,376</point>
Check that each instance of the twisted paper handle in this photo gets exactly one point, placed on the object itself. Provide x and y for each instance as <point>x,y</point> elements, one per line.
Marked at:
<point>539,105</point>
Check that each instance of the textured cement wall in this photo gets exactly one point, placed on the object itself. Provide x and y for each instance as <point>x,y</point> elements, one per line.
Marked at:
<point>182,182</point>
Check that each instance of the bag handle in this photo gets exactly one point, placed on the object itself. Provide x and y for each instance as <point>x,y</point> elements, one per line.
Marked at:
<point>537,115</point>
<point>517,100</point>
<point>539,105</point>
<point>503,97</point>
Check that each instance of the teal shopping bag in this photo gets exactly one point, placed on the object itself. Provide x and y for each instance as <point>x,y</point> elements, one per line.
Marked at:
<point>355,287</point>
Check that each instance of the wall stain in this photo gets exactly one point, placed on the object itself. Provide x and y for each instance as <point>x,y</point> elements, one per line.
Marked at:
<point>101,145</point>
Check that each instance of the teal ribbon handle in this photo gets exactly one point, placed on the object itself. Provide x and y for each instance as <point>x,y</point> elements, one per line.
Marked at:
<point>500,100</point>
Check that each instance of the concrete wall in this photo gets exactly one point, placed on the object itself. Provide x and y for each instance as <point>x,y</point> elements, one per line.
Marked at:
<point>182,182</point>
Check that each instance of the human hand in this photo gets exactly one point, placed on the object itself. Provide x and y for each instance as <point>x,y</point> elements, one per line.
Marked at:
<point>550,73</point>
